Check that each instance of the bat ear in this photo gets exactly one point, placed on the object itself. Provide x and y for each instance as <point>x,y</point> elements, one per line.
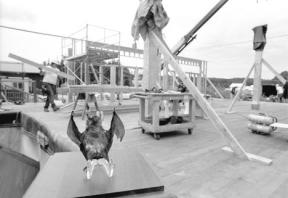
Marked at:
<point>73,132</point>
<point>117,126</point>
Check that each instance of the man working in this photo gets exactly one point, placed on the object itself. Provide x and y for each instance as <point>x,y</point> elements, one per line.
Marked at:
<point>49,87</point>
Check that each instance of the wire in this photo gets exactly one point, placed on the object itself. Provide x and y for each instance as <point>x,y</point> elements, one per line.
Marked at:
<point>240,42</point>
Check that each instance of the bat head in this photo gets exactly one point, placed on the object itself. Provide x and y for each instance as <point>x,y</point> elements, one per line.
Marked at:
<point>94,119</point>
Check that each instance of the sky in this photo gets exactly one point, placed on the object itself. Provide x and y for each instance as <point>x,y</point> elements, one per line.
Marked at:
<point>225,41</point>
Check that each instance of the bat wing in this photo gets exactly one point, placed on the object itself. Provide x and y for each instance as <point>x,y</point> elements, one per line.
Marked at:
<point>117,126</point>
<point>73,132</point>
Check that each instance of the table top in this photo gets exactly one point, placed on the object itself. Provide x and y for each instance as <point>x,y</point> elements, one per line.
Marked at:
<point>63,176</point>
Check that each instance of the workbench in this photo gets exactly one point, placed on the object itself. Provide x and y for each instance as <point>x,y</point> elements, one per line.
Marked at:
<point>152,119</point>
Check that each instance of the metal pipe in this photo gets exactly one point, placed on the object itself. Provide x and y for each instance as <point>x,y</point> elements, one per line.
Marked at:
<point>184,41</point>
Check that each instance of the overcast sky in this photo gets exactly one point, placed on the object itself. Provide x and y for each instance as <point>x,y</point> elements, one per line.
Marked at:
<point>225,41</point>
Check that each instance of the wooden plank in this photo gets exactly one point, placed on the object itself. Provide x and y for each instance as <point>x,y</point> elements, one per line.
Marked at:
<point>257,85</point>
<point>239,92</point>
<point>280,78</point>
<point>97,88</point>
<point>252,157</point>
<point>213,86</point>
<point>151,73</point>
<point>62,74</point>
<point>94,73</point>
<point>132,175</point>
<point>207,108</point>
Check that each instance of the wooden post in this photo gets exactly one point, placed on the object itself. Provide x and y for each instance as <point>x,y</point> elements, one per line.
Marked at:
<point>151,64</point>
<point>136,77</point>
<point>214,118</point>
<point>257,85</point>
<point>113,81</point>
<point>121,76</point>
<point>34,91</point>
<point>151,73</point>
<point>101,75</point>
<point>94,73</point>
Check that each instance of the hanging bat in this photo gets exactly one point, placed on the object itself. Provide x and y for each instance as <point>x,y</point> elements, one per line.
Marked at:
<point>95,142</point>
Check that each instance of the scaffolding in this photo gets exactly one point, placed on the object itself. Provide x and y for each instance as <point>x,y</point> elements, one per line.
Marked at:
<point>89,50</point>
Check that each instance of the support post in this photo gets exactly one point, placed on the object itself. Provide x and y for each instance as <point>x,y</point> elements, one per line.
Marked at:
<point>113,81</point>
<point>136,76</point>
<point>214,118</point>
<point>257,85</point>
<point>101,74</point>
<point>151,64</point>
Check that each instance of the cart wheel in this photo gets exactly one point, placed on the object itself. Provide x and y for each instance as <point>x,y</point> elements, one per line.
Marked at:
<point>143,130</point>
<point>156,136</point>
<point>190,131</point>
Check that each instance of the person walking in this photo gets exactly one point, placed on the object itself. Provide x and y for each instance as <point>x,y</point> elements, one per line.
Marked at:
<point>49,87</point>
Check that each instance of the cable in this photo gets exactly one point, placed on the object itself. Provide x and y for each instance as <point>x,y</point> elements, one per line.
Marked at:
<point>241,42</point>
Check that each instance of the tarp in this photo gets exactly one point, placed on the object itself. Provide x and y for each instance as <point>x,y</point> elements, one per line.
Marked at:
<point>150,15</point>
<point>259,37</point>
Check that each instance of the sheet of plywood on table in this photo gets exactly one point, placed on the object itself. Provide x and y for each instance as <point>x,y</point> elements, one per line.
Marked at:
<point>63,176</point>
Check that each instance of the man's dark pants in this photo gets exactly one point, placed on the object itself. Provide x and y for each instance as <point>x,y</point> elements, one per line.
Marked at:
<point>50,92</point>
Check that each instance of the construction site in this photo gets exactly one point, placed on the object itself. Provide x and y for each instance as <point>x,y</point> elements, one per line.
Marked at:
<point>90,116</point>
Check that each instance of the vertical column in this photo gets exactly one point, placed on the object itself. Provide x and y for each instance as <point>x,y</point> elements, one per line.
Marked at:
<point>71,66</point>
<point>100,75</point>
<point>136,77</point>
<point>151,63</point>
<point>121,76</point>
<point>257,85</point>
<point>151,68</point>
<point>259,43</point>
<point>113,81</point>
<point>34,91</point>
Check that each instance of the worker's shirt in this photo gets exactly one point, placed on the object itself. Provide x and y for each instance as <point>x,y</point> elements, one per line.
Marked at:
<point>50,77</point>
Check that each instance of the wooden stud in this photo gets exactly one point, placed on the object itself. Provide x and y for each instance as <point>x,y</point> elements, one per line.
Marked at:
<point>39,66</point>
<point>94,73</point>
<point>280,78</point>
<point>101,75</point>
<point>239,92</point>
<point>213,86</point>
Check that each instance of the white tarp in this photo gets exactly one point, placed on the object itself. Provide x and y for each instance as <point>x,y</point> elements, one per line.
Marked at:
<point>150,15</point>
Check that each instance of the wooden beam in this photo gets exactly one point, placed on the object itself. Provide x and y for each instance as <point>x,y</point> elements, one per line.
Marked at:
<point>213,86</point>
<point>239,92</point>
<point>207,108</point>
<point>94,73</point>
<point>280,78</point>
<point>151,72</point>
<point>62,74</point>
<point>252,157</point>
<point>97,88</point>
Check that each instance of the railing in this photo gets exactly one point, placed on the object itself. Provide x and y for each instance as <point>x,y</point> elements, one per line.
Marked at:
<point>15,95</point>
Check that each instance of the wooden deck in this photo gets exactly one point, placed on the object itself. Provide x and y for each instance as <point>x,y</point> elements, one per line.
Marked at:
<point>194,165</point>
